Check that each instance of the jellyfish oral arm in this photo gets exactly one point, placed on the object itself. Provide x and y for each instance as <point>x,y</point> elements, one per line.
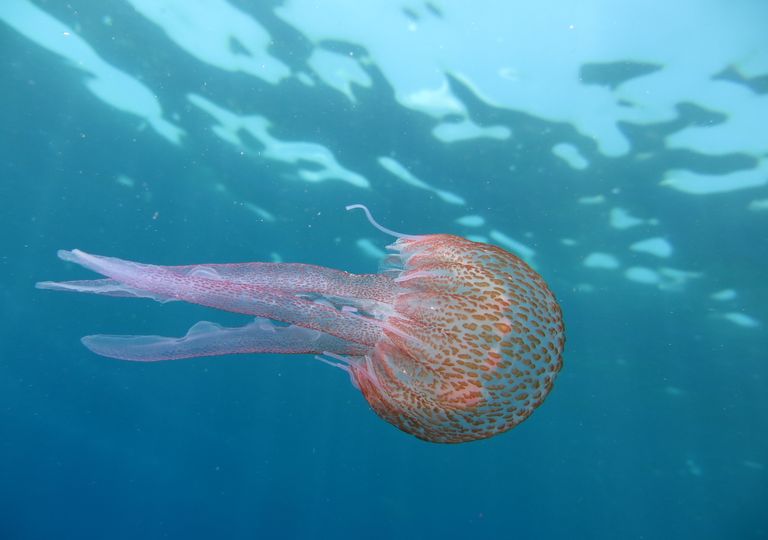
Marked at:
<point>227,287</point>
<point>209,339</point>
<point>295,278</point>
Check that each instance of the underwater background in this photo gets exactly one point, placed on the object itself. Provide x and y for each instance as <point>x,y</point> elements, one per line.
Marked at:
<point>618,147</point>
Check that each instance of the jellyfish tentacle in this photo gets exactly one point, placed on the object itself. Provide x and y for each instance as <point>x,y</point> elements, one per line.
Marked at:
<point>106,287</point>
<point>376,224</point>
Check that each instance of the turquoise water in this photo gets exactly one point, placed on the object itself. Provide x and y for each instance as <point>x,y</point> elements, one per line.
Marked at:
<point>631,173</point>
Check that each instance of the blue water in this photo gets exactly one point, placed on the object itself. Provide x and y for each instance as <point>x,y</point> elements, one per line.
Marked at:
<point>656,427</point>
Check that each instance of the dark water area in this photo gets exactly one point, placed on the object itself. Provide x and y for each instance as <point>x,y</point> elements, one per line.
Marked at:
<point>656,427</point>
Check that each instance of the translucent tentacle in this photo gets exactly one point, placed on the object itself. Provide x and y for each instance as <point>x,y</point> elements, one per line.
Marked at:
<point>376,224</point>
<point>107,287</point>
<point>209,339</point>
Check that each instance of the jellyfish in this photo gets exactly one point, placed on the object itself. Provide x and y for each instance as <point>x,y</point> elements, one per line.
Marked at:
<point>451,341</point>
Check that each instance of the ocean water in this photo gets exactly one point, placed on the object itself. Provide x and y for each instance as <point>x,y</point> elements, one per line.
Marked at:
<point>618,147</point>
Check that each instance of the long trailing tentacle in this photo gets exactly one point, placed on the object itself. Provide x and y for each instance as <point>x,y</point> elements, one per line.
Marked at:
<point>376,224</point>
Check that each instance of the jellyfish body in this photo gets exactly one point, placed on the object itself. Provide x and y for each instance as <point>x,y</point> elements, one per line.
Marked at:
<point>453,341</point>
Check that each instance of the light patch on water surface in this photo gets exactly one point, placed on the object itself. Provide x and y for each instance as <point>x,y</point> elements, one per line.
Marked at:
<point>305,79</point>
<point>471,221</point>
<point>339,71</point>
<point>571,155</point>
<point>640,274</point>
<point>724,295</point>
<point>584,288</point>
<point>216,33</point>
<point>758,205</point>
<point>399,171</point>
<point>263,213</point>
<point>741,319</point>
<point>437,102</point>
<point>125,180</point>
<point>622,219</point>
<point>370,249</point>
<point>110,85</point>
<point>695,183</point>
<point>449,132</point>
<point>594,199</point>
<point>693,468</point>
<point>673,391</point>
<point>674,279</point>
<point>657,246</point>
<point>601,260</point>
<point>518,248</point>
<point>229,128</point>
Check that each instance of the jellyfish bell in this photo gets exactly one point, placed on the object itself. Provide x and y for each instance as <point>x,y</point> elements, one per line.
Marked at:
<point>452,341</point>
<point>479,345</point>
